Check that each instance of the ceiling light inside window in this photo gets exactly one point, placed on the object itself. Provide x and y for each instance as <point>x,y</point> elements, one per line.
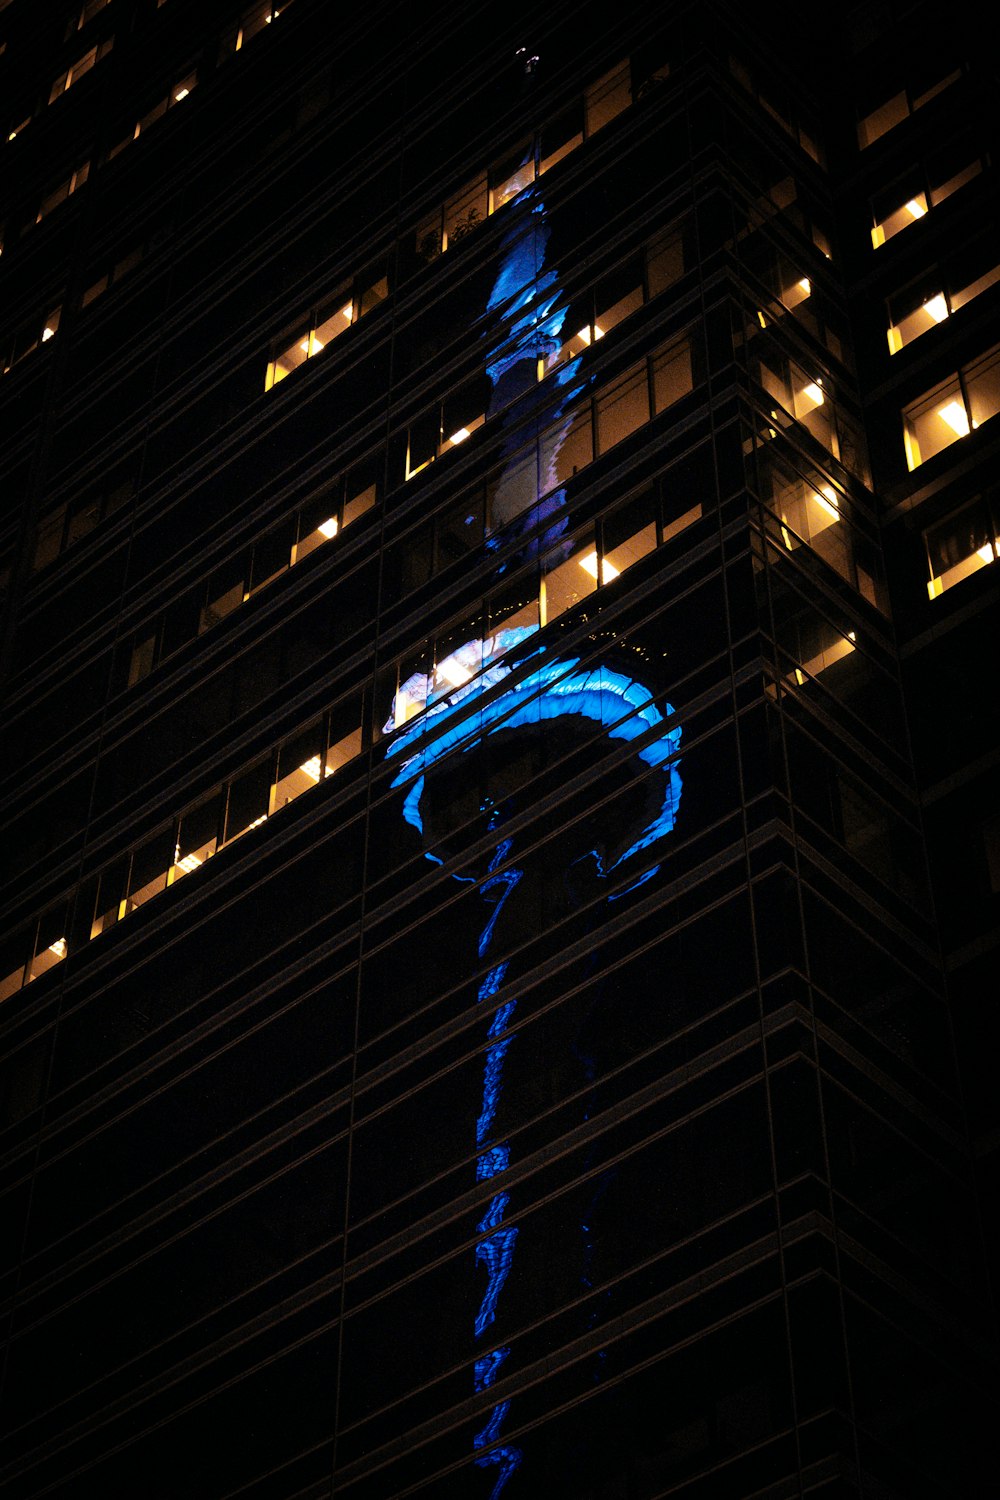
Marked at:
<point>608,569</point>
<point>916,209</point>
<point>329,527</point>
<point>955,415</point>
<point>814,391</point>
<point>937,307</point>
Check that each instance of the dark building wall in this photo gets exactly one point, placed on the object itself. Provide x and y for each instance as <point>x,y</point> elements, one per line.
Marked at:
<point>475,1002</point>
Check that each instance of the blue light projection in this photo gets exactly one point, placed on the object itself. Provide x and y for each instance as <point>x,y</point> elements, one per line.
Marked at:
<point>503,683</point>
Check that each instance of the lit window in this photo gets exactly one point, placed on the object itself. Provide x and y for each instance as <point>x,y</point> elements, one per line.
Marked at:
<point>50,943</point>
<point>351,302</point>
<point>80,68</point>
<point>913,208</point>
<point>511,175</point>
<point>63,191</point>
<point>894,110</point>
<point>29,338</point>
<point>90,9</point>
<point>961,545</point>
<point>251,23</point>
<point>952,409</point>
<point>179,91</point>
<point>608,97</point>
<point>15,130</point>
<point>197,836</point>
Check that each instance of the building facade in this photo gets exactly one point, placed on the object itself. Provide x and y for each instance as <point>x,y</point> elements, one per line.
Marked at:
<point>501,861</point>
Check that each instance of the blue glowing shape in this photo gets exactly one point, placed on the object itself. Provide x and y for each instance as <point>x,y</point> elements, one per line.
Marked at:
<point>508,1458</point>
<point>487,1366</point>
<point>496,1253</point>
<point>525,293</point>
<point>491,1088</point>
<point>492,982</point>
<point>491,1431</point>
<point>552,690</point>
<point>490,1164</point>
<point>509,880</point>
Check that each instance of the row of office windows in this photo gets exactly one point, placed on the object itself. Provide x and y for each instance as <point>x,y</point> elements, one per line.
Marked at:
<point>474,202</point>
<point>29,337</point>
<point>892,111</point>
<point>490,189</point>
<point>571,571</point>
<point>779,109</point>
<point>568,572</point>
<point>953,409</point>
<point>918,309</point>
<point>809,400</point>
<point>234,807</point>
<point>79,68</point>
<point>70,522</point>
<point>963,543</point>
<point>812,510</point>
<point>925,187</point>
<point>251,23</point>
<point>589,429</point>
<point>251,568</point>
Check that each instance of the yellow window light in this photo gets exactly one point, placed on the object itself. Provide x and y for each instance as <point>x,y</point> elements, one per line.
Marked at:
<point>955,415</point>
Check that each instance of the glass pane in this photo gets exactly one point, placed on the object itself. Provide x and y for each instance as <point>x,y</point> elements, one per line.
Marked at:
<point>672,377</point>
<point>331,322</point>
<point>272,554</point>
<point>343,735</point>
<point>142,660</point>
<point>197,836</point>
<point>982,382</point>
<point>935,421</point>
<point>111,890</point>
<point>225,593</point>
<point>248,800</point>
<point>374,289</point>
<point>560,137</point>
<point>664,262</point>
<point>464,210</point>
<point>608,97</point>
<point>960,546</point>
<point>298,765</point>
<point>13,963</point>
<point>512,490</point>
<point>566,448</point>
<point>48,542</point>
<point>882,119</point>
<point>512,175</point>
<point>150,865</point>
<point>622,408</point>
<point>914,208</point>
<point>294,353</point>
<point>567,580</point>
<point>318,521</point>
<point>50,941</point>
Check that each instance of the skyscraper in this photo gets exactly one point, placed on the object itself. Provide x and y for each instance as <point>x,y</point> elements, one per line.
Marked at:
<point>501,864</point>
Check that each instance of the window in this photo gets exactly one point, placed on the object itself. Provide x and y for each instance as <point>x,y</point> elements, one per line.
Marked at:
<point>15,130</point>
<point>779,109</point>
<point>892,110</point>
<point>952,409</point>
<point>72,521</point>
<point>567,574</point>
<point>332,318</point>
<point>251,23</point>
<point>962,544</point>
<point>250,569</point>
<point>518,168</point>
<point>62,192</point>
<point>112,276</point>
<point>90,9</point>
<point>921,190</point>
<point>78,69</point>
<point>911,314</point>
<point>179,91</point>
<point>28,338</point>
<point>608,97</point>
